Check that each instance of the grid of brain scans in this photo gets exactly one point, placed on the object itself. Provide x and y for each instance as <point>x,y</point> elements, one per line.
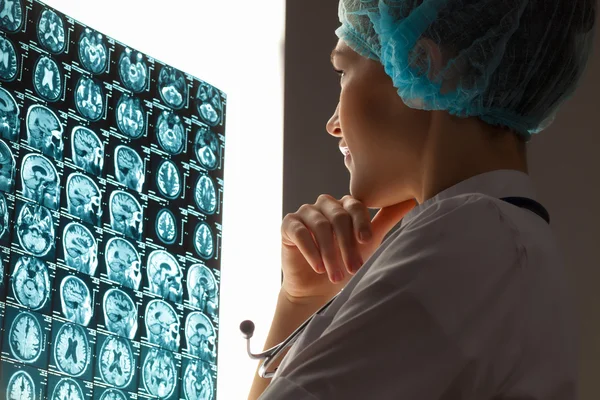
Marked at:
<point>111,191</point>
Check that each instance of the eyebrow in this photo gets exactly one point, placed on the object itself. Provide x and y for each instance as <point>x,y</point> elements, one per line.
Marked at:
<point>336,53</point>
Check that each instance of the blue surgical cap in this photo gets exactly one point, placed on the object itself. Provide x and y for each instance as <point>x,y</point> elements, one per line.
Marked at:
<point>511,63</point>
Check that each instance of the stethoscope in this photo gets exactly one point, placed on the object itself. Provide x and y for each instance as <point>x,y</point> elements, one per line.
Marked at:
<point>270,355</point>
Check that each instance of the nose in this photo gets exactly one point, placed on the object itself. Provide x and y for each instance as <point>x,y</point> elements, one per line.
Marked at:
<point>333,125</point>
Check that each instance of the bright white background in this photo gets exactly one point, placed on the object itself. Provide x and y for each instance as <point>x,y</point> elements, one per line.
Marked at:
<point>237,46</point>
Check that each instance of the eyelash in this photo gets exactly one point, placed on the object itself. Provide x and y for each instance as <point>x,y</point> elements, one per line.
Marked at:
<point>339,72</point>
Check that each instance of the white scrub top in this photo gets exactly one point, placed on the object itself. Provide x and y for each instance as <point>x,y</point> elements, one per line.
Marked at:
<point>466,299</point>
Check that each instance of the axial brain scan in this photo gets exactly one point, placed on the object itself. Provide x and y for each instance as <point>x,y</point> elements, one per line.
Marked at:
<point>51,31</point>
<point>123,263</point>
<point>89,98</point>
<point>92,51</point>
<point>87,150</point>
<point>164,276</point>
<point>209,105</point>
<point>80,248</point>
<point>21,386</point>
<point>72,352</point>
<point>67,389</point>
<point>172,87</point>
<point>126,215</point>
<point>9,61</point>
<point>11,15</point>
<point>113,394</point>
<point>7,168</point>
<point>84,198</point>
<point>162,325</point>
<point>129,168</point>
<point>200,337</point>
<point>202,289</point>
<point>120,313</point>
<point>40,180</point>
<point>76,300</point>
<point>205,195</point>
<point>206,148</point>
<point>44,131</point>
<point>170,133</point>
<point>31,282</point>
<point>131,118</point>
<point>35,229</point>
<point>133,70</point>
<point>116,363</point>
<point>203,240</point>
<point>159,374</point>
<point>4,219</point>
<point>25,338</point>
<point>168,180</point>
<point>166,226</point>
<point>47,78</point>
<point>197,382</point>
<point>9,116</point>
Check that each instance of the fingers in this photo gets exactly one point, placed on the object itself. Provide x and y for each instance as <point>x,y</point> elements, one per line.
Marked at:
<point>361,219</point>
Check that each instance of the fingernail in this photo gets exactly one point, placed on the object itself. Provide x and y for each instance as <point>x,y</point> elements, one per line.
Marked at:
<point>337,276</point>
<point>365,235</point>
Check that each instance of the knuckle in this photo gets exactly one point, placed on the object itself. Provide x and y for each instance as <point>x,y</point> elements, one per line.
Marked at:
<point>324,198</point>
<point>322,225</point>
<point>340,218</point>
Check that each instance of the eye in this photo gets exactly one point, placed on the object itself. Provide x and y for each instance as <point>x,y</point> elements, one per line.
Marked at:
<point>339,72</point>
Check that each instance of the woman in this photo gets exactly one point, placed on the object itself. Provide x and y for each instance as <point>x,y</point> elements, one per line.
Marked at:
<point>455,290</point>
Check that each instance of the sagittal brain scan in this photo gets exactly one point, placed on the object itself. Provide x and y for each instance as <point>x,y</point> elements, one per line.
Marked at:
<point>120,313</point>
<point>172,87</point>
<point>126,215</point>
<point>31,282</point>
<point>7,168</point>
<point>87,150</point>
<point>4,217</point>
<point>44,131</point>
<point>40,180</point>
<point>209,105</point>
<point>131,118</point>
<point>80,248</point>
<point>9,62</point>
<point>21,386</point>
<point>116,363</point>
<point>76,300</point>
<point>165,276</point>
<point>206,148</point>
<point>170,132</point>
<point>162,325</point>
<point>47,78</point>
<point>200,336</point>
<point>133,70</point>
<point>84,198</point>
<point>9,116</point>
<point>123,263</point>
<point>35,229</point>
<point>202,289</point>
<point>159,374</point>
<point>51,31</point>
<point>205,195</point>
<point>166,226</point>
<point>168,179</point>
<point>129,168</point>
<point>203,240</point>
<point>72,352</point>
<point>11,15</point>
<point>67,389</point>
<point>25,337</point>
<point>89,98</point>
<point>197,382</point>
<point>92,51</point>
<point>113,394</point>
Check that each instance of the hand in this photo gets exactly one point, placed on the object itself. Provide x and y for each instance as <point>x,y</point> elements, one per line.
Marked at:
<point>322,246</point>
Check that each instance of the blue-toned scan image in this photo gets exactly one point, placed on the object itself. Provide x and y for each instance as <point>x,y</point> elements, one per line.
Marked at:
<point>200,337</point>
<point>26,338</point>
<point>205,195</point>
<point>31,282</point>
<point>203,289</point>
<point>126,215</point>
<point>72,351</point>
<point>133,70</point>
<point>168,179</point>
<point>51,31</point>
<point>21,386</point>
<point>9,116</point>
<point>4,218</point>
<point>116,362</point>
<point>67,389</point>
<point>120,313</point>
<point>166,226</point>
<point>87,150</point>
<point>113,394</point>
<point>7,168</point>
<point>165,276</point>
<point>92,51</point>
<point>170,132</point>
<point>206,148</point>
<point>197,381</point>
<point>129,168</point>
<point>172,87</point>
<point>131,118</point>
<point>11,15</point>
<point>162,325</point>
<point>80,248</point>
<point>9,62</point>
<point>84,198</point>
<point>35,229</point>
<point>203,240</point>
<point>39,180</point>
<point>47,78</point>
<point>209,104</point>
<point>159,373</point>
<point>44,131</point>
<point>76,300</point>
<point>123,263</point>
<point>89,99</point>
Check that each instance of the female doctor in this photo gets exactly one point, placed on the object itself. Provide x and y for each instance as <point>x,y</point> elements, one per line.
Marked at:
<point>456,289</point>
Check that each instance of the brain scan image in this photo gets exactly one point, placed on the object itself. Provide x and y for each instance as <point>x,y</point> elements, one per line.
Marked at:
<point>113,394</point>
<point>84,198</point>
<point>87,150</point>
<point>9,62</point>
<point>80,248</point>
<point>164,276</point>
<point>51,31</point>
<point>197,382</point>
<point>4,219</point>
<point>76,300</point>
<point>172,87</point>
<point>159,373</point>
<point>205,195</point>
<point>44,131</point>
<point>35,229</point>
<point>11,15</point>
<point>21,386</point>
<point>126,214</point>
<point>67,389</point>
<point>209,105</point>
<point>200,337</point>
<point>203,240</point>
<point>47,79</point>
<point>116,363</point>
<point>168,180</point>
<point>9,116</point>
<point>166,226</point>
<point>129,168</point>
<point>133,70</point>
<point>206,148</point>
<point>25,338</point>
<point>92,51</point>
<point>170,132</point>
<point>120,313</point>
<point>131,118</point>
<point>203,289</point>
<point>7,168</point>
<point>89,99</point>
<point>31,282</point>
<point>72,351</point>
<point>40,180</point>
<point>123,263</point>
<point>162,325</point>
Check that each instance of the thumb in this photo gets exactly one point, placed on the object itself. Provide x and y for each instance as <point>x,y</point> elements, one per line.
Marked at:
<point>387,217</point>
